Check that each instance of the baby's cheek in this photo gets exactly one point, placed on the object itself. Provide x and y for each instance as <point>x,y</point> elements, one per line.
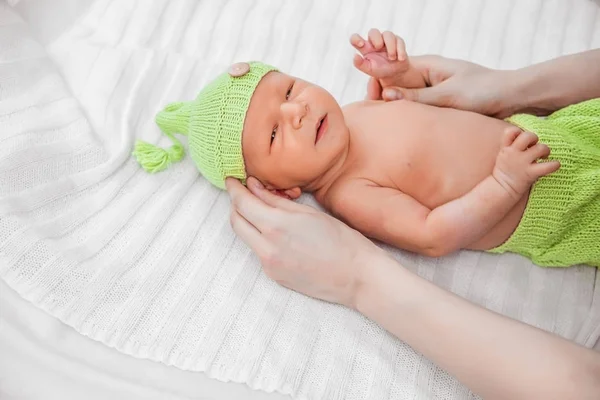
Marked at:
<point>252,169</point>
<point>269,175</point>
<point>283,174</point>
<point>303,170</point>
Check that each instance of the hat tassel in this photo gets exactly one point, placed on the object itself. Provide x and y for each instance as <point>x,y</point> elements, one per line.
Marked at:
<point>155,159</point>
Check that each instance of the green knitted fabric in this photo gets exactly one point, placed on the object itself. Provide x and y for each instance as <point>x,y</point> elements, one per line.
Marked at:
<point>561,224</point>
<point>213,123</point>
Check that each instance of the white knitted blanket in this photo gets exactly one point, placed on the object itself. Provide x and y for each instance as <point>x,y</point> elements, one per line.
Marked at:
<point>149,264</point>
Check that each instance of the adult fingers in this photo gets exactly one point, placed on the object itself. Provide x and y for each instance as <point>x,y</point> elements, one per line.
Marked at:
<point>272,200</point>
<point>436,68</point>
<point>435,96</point>
<point>373,89</point>
<point>253,209</point>
<point>249,234</point>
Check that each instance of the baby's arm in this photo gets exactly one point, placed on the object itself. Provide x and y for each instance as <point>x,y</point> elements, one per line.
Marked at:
<point>396,218</point>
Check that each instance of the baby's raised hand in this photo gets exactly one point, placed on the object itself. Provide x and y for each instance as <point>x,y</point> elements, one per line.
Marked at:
<point>517,166</point>
<point>382,56</point>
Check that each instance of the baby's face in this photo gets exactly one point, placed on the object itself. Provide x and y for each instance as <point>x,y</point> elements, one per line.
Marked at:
<point>294,132</point>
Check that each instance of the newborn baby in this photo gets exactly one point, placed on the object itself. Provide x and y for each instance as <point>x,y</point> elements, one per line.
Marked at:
<point>425,179</point>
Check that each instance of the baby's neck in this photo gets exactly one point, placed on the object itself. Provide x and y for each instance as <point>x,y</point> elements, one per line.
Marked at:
<point>320,186</point>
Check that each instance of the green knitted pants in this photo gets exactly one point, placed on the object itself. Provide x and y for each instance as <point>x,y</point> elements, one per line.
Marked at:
<point>561,224</point>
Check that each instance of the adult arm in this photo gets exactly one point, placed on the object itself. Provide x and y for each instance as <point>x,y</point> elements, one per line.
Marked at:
<point>495,356</point>
<point>498,358</point>
<point>537,89</point>
<point>551,85</point>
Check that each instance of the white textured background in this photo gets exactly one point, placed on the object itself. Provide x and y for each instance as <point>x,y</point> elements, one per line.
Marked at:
<point>149,265</point>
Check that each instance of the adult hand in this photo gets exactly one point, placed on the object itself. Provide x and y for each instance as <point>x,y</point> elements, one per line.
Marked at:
<point>454,84</point>
<point>317,255</point>
<point>299,247</point>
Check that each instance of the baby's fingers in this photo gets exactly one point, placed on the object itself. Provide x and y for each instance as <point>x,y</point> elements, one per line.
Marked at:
<point>357,41</point>
<point>544,168</point>
<point>376,39</point>
<point>525,140</point>
<point>362,64</point>
<point>510,134</point>
<point>538,151</point>
<point>390,45</point>
<point>401,49</point>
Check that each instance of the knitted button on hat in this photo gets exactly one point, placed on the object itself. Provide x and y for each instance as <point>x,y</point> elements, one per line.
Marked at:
<point>213,123</point>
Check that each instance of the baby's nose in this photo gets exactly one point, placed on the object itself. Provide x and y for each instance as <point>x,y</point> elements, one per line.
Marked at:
<point>295,111</point>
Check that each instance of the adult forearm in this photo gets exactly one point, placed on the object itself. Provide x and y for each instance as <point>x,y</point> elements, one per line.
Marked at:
<point>546,87</point>
<point>465,220</point>
<point>495,356</point>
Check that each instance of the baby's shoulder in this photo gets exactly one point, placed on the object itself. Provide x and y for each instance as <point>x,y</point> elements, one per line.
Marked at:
<point>360,115</point>
<point>359,106</point>
<point>343,193</point>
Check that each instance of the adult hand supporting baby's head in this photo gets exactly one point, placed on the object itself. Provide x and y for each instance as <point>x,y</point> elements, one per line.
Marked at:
<point>299,247</point>
<point>455,84</point>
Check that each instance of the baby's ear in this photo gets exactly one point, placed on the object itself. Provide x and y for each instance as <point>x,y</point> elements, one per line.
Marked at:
<point>290,194</point>
<point>293,193</point>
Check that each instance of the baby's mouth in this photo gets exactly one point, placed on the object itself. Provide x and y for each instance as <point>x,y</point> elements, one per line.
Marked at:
<point>321,128</point>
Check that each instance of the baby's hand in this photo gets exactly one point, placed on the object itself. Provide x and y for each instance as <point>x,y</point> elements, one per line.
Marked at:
<point>517,166</point>
<point>383,56</point>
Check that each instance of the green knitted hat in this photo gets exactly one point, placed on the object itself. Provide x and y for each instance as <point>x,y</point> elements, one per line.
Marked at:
<point>213,123</point>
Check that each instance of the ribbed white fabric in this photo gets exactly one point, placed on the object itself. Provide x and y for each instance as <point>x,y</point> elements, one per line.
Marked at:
<point>149,265</point>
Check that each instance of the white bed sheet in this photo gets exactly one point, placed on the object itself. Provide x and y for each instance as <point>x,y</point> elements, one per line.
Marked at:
<point>42,358</point>
<point>42,349</point>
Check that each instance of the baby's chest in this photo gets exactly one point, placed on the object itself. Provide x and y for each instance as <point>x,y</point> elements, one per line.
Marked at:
<point>394,156</point>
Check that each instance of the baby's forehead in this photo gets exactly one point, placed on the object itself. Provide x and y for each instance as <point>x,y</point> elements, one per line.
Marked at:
<point>270,86</point>
<point>275,78</point>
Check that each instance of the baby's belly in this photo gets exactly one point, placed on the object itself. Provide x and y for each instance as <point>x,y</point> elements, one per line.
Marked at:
<point>435,155</point>
<point>449,157</point>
